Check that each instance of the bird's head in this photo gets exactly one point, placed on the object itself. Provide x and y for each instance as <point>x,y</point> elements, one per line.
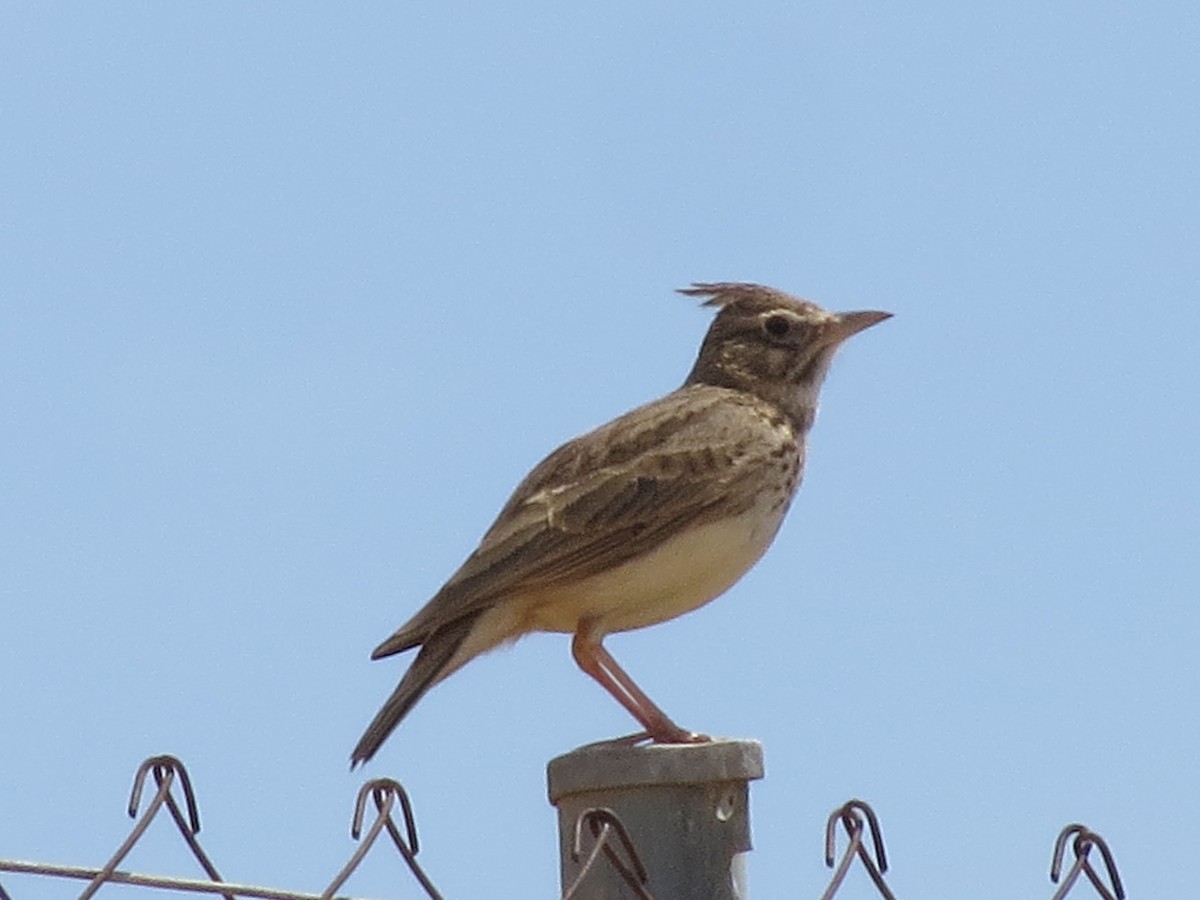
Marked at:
<point>771,344</point>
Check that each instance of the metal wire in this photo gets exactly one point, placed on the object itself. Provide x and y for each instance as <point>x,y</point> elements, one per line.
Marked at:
<point>167,770</point>
<point>610,839</point>
<point>604,823</point>
<point>1085,840</point>
<point>164,882</point>
<point>384,792</point>
<point>851,816</point>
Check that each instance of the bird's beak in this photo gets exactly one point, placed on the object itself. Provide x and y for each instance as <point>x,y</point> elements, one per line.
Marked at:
<point>850,323</point>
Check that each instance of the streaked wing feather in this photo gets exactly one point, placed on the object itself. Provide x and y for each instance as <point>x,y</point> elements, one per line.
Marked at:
<point>594,504</point>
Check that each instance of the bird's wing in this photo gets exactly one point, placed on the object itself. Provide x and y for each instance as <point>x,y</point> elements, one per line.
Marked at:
<point>611,496</point>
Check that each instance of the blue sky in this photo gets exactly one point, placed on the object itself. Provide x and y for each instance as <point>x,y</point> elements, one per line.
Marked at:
<point>292,297</point>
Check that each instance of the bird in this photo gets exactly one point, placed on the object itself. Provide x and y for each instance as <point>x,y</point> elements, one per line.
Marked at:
<point>645,518</point>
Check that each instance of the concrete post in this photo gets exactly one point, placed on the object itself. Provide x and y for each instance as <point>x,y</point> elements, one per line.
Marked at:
<point>685,808</point>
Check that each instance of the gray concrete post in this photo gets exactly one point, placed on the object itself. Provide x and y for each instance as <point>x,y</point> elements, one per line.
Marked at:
<point>685,808</point>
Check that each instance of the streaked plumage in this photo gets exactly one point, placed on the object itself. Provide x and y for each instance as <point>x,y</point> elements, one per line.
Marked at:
<point>645,518</point>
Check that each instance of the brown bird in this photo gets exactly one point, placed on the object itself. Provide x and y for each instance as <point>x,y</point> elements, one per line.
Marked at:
<point>645,518</point>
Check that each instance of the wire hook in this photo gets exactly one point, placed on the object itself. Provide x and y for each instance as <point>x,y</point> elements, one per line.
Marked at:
<point>384,792</point>
<point>851,814</point>
<point>165,769</point>
<point>603,823</point>
<point>1085,840</point>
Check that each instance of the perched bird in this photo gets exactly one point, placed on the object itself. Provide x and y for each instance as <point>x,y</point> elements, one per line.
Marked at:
<point>645,518</point>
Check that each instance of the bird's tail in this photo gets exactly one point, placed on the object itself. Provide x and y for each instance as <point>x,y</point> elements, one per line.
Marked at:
<point>430,667</point>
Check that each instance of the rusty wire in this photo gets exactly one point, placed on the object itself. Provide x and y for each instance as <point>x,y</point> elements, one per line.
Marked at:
<point>604,823</point>
<point>1085,840</point>
<point>166,771</point>
<point>851,816</point>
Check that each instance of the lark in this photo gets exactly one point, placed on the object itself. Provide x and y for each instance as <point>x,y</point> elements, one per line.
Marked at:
<point>643,519</point>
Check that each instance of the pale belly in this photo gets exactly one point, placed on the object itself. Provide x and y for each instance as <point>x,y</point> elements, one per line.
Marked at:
<point>679,576</point>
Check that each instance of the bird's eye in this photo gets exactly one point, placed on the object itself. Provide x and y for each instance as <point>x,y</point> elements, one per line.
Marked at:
<point>777,326</point>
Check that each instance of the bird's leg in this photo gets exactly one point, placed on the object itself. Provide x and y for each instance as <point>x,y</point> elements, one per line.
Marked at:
<point>591,656</point>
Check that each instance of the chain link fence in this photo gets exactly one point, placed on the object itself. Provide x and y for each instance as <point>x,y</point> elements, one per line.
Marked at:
<point>600,839</point>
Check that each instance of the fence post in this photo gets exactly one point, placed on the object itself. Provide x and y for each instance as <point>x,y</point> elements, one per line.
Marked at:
<point>685,808</point>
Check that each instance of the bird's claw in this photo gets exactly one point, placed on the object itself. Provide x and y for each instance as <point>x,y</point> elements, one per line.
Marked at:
<point>660,736</point>
<point>681,736</point>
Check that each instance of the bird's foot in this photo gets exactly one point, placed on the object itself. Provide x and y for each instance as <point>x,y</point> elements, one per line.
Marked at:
<point>673,734</point>
<point>629,740</point>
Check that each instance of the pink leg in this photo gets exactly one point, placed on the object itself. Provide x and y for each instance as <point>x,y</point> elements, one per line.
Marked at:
<point>591,656</point>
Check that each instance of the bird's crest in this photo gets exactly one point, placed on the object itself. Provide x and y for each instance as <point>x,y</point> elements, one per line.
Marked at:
<point>746,296</point>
